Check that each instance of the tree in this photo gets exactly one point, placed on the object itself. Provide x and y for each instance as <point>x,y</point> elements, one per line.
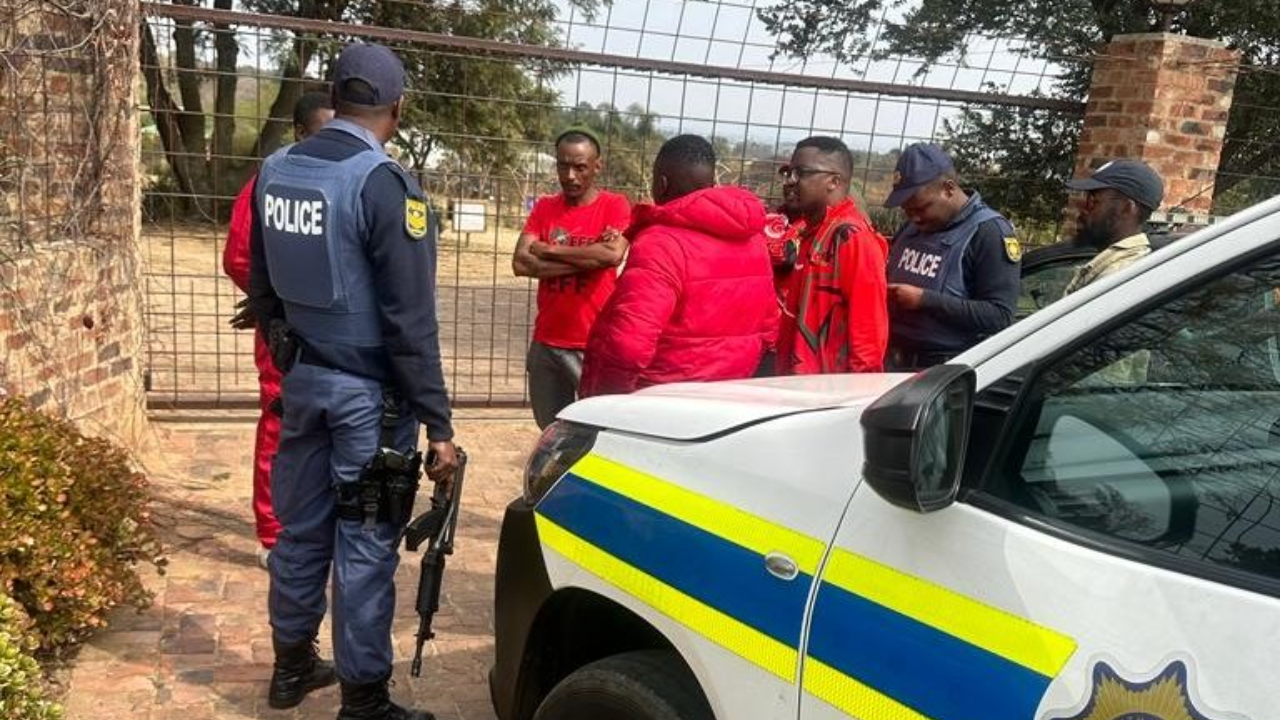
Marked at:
<point>1069,32</point>
<point>472,106</point>
<point>196,160</point>
<point>1020,158</point>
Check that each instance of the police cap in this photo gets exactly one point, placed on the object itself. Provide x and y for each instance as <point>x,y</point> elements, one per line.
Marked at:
<point>375,65</point>
<point>918,165</point>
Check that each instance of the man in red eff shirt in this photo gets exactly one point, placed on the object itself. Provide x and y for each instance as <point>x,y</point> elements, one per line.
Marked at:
<point>695,301</point>
<point>311,112</point>
<point>572,243</point>
<point>835,316</point>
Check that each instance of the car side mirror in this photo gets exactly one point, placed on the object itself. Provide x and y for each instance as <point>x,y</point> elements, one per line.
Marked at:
<point>915,436</point>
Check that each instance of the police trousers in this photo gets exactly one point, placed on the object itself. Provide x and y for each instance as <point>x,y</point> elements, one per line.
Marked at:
<point>330,430</point>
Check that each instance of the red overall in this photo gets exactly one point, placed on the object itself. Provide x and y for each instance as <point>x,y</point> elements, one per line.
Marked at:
<point>835,316</point>
<point>235,262</point>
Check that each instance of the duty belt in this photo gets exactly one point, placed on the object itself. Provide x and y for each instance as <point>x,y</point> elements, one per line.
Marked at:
<point>311,357</point>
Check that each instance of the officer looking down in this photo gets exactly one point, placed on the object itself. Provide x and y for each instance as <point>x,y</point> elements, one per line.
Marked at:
<point>343,278</point>
<point>953,269</point>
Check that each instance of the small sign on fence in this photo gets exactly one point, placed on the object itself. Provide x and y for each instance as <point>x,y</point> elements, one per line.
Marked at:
<point>469,216</point>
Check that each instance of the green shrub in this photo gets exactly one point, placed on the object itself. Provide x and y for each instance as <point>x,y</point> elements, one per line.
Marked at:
<point>22,694</point>
<point>74,524</point>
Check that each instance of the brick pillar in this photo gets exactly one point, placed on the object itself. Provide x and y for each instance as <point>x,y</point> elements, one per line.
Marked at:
<point>71,282</point>
<point>1163,99</point>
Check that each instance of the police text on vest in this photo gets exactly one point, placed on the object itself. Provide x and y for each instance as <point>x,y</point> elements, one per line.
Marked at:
<point>919,263</point>
<point>296,217</point>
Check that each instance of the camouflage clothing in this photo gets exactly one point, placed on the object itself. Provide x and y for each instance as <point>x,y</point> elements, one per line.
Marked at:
<point>1118,256</point>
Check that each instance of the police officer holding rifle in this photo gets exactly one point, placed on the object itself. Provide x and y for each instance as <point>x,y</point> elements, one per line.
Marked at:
<point>343,279</point>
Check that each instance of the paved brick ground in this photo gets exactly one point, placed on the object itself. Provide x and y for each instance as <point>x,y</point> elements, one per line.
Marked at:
<point>203,650</point>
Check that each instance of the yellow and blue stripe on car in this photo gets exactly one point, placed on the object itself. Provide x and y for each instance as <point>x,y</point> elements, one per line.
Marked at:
<point>883,645</point>
<point>695,559</point>
<point>891,646</point>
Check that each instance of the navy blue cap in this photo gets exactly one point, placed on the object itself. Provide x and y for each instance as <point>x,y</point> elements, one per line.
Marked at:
<point>1131,178</point>
<point>918,165</point>
<point>377,66</point>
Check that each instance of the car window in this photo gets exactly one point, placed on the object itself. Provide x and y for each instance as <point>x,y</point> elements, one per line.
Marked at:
<point>1164,432</point>
<point>1045,283</point>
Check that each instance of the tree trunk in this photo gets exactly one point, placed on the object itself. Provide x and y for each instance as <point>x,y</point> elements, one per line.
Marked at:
<point>165,112</point>
<point>280,117</point>
<point>191,119</point>
<point>224,104</point>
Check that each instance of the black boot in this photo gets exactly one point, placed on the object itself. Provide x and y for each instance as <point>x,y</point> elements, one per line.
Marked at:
<point>298,671</point>
<point>372,701</point>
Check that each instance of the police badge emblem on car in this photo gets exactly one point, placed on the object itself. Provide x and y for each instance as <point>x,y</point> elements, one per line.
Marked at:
<point>1164,697</point>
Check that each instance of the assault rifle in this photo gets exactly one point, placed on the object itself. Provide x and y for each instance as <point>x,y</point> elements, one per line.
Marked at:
<point>435,526</point>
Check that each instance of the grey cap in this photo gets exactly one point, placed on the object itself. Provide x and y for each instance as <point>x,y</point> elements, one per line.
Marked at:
<point>377,66</point>
<point>1131,178</point>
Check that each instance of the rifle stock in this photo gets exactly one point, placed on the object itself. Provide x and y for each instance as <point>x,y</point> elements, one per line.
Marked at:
<point>436,527</point>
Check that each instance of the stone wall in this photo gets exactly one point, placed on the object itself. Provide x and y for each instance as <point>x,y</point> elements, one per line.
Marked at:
<point>71,311</point>
<point>1163,99</point>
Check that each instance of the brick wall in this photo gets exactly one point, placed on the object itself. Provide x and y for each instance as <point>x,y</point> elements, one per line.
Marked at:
<point>1163,99</point>
<point>71,318</point>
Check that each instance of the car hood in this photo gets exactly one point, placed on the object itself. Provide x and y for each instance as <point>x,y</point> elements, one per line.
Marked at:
<point>690,411</point>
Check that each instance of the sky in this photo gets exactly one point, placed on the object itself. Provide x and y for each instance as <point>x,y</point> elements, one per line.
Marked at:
<point>729,34</point>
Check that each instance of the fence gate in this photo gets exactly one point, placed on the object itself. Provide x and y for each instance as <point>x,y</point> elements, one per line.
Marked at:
<point>478,136</point>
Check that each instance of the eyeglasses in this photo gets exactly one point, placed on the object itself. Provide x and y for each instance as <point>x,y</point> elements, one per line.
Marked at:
<point>800,172</point>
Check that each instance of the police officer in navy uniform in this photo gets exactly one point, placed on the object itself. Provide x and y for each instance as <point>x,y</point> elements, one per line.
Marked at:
<point>343,251</point>
<point>954,269</point>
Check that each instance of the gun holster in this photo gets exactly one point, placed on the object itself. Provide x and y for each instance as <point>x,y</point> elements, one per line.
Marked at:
<point>388,483</point>
<point>283,344</point>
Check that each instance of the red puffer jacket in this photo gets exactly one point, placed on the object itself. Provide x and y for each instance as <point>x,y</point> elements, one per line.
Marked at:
<point>695,300</point>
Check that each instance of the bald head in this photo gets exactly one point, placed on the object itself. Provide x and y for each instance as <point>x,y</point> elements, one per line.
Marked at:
<point>685,164</point>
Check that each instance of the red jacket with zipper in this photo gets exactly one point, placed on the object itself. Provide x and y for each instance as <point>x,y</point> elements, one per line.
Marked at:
<point>695,301</point>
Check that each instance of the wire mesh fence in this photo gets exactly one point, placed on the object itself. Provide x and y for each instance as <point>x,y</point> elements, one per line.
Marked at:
<point>1250,169</point>
<point>482,110</point>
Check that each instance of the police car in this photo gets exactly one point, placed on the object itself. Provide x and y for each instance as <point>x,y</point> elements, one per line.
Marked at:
<point>1079,519</point>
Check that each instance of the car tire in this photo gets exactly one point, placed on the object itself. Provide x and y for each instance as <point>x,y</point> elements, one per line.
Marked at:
<point>646,685</point>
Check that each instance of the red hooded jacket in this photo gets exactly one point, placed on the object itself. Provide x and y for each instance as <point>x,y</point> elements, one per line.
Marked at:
<point>695,301</point>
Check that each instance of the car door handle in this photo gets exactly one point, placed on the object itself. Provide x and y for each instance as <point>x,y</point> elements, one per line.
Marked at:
<point>781,566</point>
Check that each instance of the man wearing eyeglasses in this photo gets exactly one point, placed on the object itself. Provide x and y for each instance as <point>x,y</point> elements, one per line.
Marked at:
<point>954,270</point>
<point>832,285</point>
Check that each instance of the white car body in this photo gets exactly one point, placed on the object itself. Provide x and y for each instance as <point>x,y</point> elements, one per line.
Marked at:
<point>959,614</point>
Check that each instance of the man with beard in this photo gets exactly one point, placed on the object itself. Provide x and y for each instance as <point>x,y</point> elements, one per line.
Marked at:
<point>954,271</point>
<point>1121,197</point>
<point>834,316</point>
<point>572,243</point>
